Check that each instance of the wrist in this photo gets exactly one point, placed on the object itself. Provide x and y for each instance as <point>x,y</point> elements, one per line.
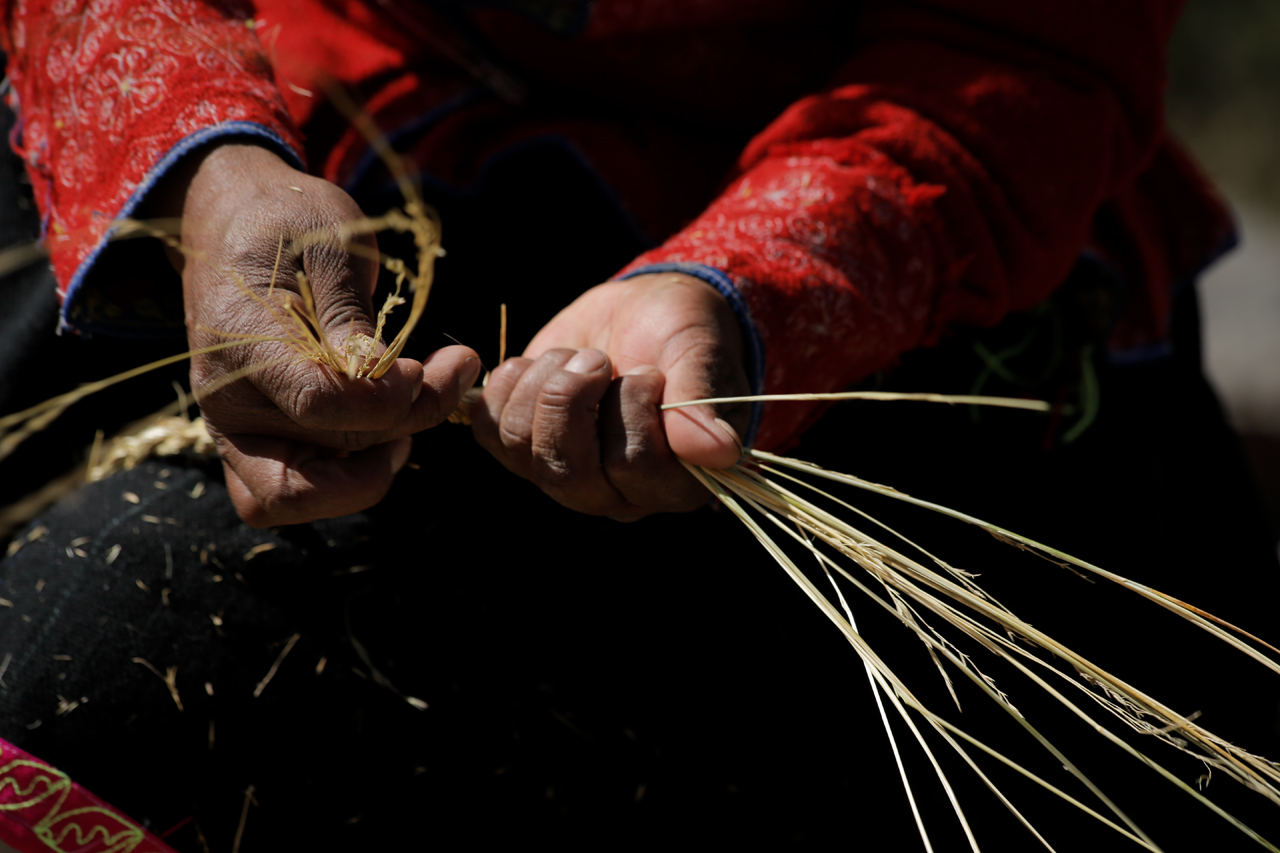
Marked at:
<point>207,186</point>
<point>223,178</point>
<point>712,300</point>
<point>752,345</point>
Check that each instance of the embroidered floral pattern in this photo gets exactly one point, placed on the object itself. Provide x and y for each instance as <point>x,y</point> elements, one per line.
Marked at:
<point>833,252</point>
<point>122,83</point>
<point>43,811</point>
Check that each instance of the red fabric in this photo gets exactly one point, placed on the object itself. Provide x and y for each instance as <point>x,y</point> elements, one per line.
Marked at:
<point>951,176</point>
<point>962,157</point>
<point>43,811</point>
<point>105,89</point>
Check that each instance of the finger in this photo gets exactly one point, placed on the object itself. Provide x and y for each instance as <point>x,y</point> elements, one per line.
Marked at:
<point>408,398</point>
<point>316,398</point>
<point>486,416</point>
<point>347,414</point>
<point>697,434</point>
<point>637,459</point>
<point>275,482</point>
<point>565,447</point>
<point>447,375</point>
<point>519,411</point>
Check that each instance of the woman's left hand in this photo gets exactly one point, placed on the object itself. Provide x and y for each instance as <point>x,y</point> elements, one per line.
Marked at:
<point>578,413</point>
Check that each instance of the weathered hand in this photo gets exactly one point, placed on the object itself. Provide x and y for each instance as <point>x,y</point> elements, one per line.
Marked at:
<point>298,440</point>
<point>578,414</point>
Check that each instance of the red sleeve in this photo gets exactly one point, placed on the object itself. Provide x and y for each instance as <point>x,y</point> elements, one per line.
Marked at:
<point>949,175</point>
<point>110,94</point>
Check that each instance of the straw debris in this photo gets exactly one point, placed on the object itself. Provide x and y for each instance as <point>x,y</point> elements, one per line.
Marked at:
<point>169,677</point>
<point>271,673</point>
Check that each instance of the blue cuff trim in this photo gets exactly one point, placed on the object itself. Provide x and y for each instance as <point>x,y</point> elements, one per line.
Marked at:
<point>184,146</point>
<point>1141,355</point>
<point>755,346</point>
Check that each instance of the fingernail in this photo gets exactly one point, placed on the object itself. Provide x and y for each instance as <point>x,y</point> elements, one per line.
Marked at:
<point>470,373</point>
<point>417,392</point>
<point>733,434</point>
<point>586,361</point>
<point>643,370</point>
<point>400,454</point>
<point>625,519</point>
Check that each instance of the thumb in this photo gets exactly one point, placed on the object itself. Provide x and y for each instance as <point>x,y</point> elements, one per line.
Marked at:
<point>332,293</point>
<point>709,436</point>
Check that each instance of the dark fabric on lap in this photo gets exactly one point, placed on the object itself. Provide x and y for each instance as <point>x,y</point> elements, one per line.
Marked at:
<point>568,661</point>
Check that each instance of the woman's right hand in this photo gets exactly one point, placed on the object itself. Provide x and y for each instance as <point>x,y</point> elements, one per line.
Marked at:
<point>298,440</point>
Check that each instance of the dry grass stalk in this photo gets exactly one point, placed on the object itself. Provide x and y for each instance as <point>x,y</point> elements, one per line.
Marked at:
<point>168,432</point>
<point>768,488</point>
<point>244,816</point>
<point>164,436</point>
<point>18,426</point>
<point>271,673</point>
<point>24,510</point>
<point>462,414</point>
<point>169,677</point>
<point>884,396</point>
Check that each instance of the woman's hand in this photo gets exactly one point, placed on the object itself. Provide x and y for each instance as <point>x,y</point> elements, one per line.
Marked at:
<point>298,440</point>
<point>578,413</point>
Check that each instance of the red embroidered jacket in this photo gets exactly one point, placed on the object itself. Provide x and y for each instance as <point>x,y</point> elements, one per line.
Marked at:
<point>915,165</point>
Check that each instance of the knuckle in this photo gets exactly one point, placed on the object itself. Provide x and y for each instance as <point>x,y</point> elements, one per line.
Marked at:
<point>282,493</point>
<point>348,441</point>
<point>514,436</point>
<point>509,372</point>
<point>638,450</point>
<point>251,510</point>
<point>555,399</point>
<point>564,392</point>
<point>304,401</point>
<point>628,516</point>
<point>353,440</point>
<point>344,309</point>
<point>552,474</point>
<point>271,500</point>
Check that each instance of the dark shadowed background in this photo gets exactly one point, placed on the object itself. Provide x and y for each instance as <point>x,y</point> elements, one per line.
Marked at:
<point>1224,103</point>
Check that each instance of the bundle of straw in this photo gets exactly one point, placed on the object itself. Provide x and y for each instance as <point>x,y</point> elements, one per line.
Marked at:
<point>779,501</point>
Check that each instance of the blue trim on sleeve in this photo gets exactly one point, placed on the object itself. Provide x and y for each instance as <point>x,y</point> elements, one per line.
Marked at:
<point>1159,350</point>
<point>755,346</point>
<point>184,146</point>
<point>1141,355</point>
